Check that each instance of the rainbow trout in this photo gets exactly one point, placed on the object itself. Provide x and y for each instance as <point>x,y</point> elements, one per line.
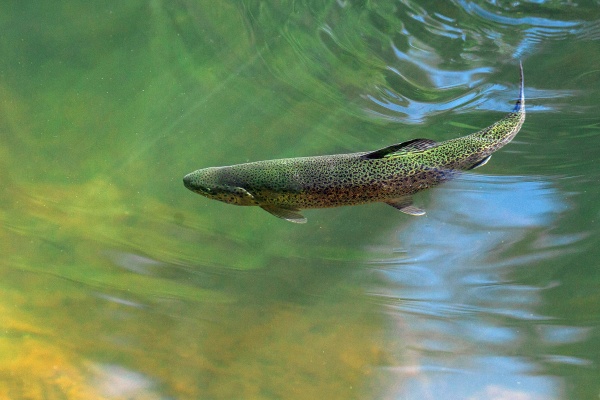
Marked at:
<point>390,175</point>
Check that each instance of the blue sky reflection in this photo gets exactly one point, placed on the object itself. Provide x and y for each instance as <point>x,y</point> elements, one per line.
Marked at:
<point>465,318</point>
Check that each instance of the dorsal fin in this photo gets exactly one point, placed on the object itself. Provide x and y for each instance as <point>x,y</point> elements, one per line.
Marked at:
<point>400,148</point>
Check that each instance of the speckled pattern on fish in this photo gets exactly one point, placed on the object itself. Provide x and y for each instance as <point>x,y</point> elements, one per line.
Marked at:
<point>390,175</point>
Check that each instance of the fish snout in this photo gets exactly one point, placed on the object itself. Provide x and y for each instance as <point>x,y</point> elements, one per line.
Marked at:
<point>188,181</point>
<point>196,183</point>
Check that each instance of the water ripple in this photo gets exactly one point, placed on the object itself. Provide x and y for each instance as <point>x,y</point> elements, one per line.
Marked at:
<point>459,290</point>
<point>423,58</point>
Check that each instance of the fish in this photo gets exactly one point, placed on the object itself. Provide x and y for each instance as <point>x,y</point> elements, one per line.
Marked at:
<point>391,175</point>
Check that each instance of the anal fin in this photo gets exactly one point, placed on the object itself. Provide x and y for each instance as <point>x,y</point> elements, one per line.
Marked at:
<point>481,162</point>
<point>405,205</point>
<point>289,214</point>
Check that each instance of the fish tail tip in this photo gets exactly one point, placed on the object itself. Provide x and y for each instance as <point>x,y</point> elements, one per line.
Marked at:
<point>521,71</point>
<point>521,101</point>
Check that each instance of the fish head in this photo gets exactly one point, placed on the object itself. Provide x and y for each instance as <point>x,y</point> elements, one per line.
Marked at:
<point>211,183</point>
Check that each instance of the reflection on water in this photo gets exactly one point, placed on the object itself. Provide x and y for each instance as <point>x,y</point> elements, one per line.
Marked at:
<point>456,287</point>
<point>116,282</point>
<point>117,382</point>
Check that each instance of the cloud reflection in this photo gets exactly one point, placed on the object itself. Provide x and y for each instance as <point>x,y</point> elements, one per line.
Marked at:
<point>460,295</point>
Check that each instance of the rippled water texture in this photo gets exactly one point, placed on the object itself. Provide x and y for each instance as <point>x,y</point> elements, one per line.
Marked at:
<point>118,283</point>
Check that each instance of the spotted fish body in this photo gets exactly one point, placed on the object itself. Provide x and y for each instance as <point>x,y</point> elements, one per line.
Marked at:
<point>391,175</point>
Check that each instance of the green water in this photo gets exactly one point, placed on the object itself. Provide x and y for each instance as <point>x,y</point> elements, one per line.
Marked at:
<point>118,283</point>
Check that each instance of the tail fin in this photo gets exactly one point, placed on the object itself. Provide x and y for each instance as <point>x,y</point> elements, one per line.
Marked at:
<point>520,105</point>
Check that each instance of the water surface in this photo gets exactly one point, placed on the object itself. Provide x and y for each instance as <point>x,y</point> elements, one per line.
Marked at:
<point>117,282</point>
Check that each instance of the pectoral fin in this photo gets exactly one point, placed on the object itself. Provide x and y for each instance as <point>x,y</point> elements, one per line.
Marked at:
<point>244,194</point>
<point>289,214</point>
<point>405,205</point>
